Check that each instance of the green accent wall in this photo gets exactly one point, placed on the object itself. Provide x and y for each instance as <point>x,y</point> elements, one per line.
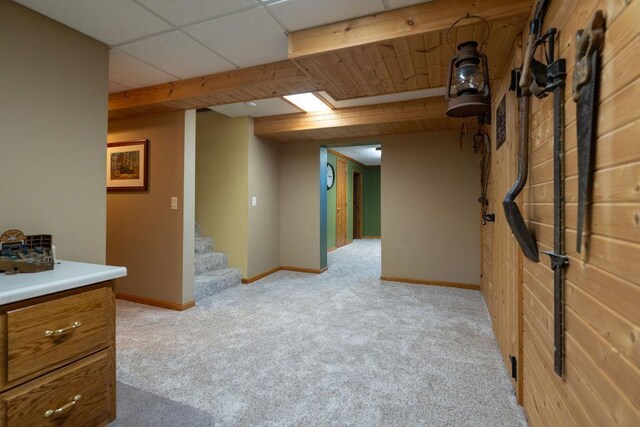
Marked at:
<point>371,202</point>
<point>351,168</point>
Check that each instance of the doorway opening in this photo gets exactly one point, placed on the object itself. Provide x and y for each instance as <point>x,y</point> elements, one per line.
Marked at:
<point>353,208</point>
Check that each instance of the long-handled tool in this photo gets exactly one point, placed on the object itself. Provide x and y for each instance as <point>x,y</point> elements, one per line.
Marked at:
<point>585,94</point>
<point>511,209</point>
<point>550,78</point>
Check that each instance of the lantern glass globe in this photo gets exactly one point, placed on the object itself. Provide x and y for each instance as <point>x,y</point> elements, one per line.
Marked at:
<point>468,79</point>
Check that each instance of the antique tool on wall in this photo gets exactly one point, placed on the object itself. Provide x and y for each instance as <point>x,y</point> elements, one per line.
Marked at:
<point>585,93</point>
<point>482,145</point>
<point>520,82</point>
<point>550,78</point>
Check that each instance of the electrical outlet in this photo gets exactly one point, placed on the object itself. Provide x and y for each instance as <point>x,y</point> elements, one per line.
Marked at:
<point>174,203</point>
<point>254,201</point>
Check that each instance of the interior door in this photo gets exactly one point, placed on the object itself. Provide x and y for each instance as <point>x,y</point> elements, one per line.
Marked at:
<point>357,205</point>
<point>341,203</point>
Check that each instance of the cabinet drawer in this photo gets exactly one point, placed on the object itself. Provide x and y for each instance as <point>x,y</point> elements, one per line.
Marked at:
<point>82,393</point>
<point>43,336</point>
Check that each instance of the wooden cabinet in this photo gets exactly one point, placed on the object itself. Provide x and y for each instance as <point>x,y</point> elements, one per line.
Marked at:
<point>57,359</point>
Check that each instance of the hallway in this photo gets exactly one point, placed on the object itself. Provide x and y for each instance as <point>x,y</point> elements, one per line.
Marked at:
<point>342,347</point>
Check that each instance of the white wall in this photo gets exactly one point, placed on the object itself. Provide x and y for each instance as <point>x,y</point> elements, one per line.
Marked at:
<point>53,131</point>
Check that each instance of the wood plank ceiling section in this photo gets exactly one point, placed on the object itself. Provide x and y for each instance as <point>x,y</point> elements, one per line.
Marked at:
<point>384,119</point>
<point>390,52</point>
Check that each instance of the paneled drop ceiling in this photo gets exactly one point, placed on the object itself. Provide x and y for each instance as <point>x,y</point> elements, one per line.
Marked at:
<point>159,41</point>
<point>380,63</point>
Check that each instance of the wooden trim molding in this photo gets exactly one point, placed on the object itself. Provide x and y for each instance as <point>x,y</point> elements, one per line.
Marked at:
<point>372,237</point>
<point>335,153</point>
<point>156,302</point>
<point>332,249</point>
<point>304,270</point>
<point>431,283</point>
<point>285,268</point>
<point>260,276</point>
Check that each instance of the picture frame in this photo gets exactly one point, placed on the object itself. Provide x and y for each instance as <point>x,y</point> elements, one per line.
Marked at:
<point>127,166</point>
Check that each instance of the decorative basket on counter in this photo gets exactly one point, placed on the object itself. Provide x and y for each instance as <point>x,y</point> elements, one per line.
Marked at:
<point>25,254</point>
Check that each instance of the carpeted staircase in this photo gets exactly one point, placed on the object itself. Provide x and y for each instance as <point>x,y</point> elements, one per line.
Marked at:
<point>212,274</point>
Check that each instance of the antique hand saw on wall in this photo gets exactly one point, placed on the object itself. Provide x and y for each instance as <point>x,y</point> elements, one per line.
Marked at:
<point>585,94</point>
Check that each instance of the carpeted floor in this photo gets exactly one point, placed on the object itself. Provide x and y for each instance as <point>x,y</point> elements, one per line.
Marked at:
<point>338,348</point>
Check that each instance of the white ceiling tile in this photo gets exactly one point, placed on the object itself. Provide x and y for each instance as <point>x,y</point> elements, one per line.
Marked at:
<point>246,38</point>
<point>300,14</point>
<point>264,107</point>
<point>395,4</point>
<point>116,87</point>
<point>177,54</point>
<point>180,12</point>
<point>365,154</point>
<point>111,22</point>
<point>134,73</point>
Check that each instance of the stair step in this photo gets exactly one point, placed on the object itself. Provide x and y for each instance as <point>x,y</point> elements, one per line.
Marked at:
<point>203,245</point>
<point>209,262</point>
<point>212,282</point>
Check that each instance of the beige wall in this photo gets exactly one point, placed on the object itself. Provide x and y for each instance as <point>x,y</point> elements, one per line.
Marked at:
<point>222,187</point>
<point>53,123</point>
<point>143,232</point>
<point>430,224</point>
<point>264,219</point>
<point>300,206</point>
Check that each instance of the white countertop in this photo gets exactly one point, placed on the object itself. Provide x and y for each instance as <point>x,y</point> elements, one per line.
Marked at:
<point>64,276</point>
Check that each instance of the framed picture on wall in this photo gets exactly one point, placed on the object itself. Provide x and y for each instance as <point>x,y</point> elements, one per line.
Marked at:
<point>127,166</point>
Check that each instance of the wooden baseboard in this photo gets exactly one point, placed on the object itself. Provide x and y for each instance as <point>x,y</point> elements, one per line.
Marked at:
<point>332,249</point>
<point>286,268</point>
<point>304,270</point>
<point>260,276</point>
<point>156,302</point>
<point>432,283</point>
<point>372,237</point>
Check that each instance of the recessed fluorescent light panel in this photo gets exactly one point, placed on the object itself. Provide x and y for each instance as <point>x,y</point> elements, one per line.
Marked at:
<point>307,102</point>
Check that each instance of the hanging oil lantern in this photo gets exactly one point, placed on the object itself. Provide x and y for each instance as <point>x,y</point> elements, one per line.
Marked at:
<point>468,90</point>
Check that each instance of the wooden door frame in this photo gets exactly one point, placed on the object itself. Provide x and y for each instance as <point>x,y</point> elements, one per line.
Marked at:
<point>346,198</point>
<point>357,201</point>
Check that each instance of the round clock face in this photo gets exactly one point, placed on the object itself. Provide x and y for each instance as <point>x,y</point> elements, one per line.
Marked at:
<point>331,175</point>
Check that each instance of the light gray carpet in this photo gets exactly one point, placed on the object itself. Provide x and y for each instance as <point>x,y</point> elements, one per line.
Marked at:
<point>340,348</point>
<point>140,408</point>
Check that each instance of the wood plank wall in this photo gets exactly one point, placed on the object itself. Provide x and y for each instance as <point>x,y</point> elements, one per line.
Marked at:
<point>601,385</point>
<point>501,258</point>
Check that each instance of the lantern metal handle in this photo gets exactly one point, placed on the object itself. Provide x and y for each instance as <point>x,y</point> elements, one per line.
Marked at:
<point>468,16</point>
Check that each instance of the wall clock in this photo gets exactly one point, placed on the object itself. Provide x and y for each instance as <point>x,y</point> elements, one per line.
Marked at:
<point>331,176</point>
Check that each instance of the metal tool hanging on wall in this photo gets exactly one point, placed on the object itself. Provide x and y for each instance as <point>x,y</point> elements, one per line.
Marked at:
<point>482,145</point>
<point>585,93</point>
<point>548,78</point>
<point>520,83</point>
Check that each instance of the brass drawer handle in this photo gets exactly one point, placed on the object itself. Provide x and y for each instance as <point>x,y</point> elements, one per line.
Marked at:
<point>62,331</point>
<point>64,408</point>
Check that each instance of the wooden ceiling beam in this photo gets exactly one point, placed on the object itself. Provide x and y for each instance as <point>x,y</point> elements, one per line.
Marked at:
<point>428,17</point>
<point>201,91</point>
<point>278,127</point>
